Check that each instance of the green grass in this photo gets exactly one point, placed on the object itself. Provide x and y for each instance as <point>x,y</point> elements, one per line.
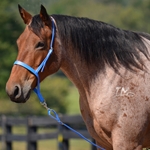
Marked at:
<point>52,145</point>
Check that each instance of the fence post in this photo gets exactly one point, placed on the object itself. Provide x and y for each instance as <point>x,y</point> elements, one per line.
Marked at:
<point>92,146</point>
<point>63,144</point>
<point>8,144</point>
<point>31,145</point>
<point>6,130</point>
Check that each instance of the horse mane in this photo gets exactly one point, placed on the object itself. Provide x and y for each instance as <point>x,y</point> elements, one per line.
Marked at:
<point>99,43</point>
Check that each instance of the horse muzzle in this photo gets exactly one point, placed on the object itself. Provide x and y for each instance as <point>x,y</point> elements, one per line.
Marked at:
<point>17,93</point>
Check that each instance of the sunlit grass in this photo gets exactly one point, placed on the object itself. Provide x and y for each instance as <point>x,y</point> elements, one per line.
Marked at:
<point>53,145</point>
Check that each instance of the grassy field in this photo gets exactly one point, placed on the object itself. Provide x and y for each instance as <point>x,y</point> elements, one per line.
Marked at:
<point>52,145</point>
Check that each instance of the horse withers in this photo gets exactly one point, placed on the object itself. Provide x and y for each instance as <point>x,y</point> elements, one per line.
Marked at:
<point>109,66</point>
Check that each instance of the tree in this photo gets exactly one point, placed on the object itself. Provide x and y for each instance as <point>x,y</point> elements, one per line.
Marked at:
<point>9,31</point>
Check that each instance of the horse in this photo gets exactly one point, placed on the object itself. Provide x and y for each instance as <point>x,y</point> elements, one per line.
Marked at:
<point>109,66</point>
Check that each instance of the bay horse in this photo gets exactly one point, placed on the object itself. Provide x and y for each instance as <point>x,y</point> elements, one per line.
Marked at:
<point>109,66</point>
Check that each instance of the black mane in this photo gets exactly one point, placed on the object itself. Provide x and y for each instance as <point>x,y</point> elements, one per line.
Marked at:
<point>99,43</point>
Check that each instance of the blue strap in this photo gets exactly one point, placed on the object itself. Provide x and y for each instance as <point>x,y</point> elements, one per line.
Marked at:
<point>42,65</point>
<point>53,33</point>
<point>55,116</point>
<point>17,62</point>
<point>37,89</point>
<point>35,72</point>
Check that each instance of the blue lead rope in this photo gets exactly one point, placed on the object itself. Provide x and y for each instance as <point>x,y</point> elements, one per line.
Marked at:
<point>55,116</point>
<point>41,67</point>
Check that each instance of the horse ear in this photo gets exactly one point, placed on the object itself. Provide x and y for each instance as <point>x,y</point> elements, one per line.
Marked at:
<point>25,15</point>
<point>44,16</point>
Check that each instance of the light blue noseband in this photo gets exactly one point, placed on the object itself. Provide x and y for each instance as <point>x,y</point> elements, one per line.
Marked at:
<point>41,66</point>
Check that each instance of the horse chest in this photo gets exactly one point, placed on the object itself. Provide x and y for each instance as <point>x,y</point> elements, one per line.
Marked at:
<point>98,125</point>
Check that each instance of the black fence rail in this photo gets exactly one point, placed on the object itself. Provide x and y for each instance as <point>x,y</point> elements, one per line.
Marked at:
<point>32,124</point>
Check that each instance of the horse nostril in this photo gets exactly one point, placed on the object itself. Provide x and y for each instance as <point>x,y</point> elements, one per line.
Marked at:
<point>17,91</point>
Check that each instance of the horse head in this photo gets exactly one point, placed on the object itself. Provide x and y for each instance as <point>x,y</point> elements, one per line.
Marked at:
<point>33,46</point>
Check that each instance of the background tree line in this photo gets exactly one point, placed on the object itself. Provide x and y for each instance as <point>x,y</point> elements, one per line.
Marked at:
<point>125,14</point>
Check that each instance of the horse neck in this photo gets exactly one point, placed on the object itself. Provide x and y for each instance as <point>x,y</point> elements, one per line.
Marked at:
<point>78,72</point>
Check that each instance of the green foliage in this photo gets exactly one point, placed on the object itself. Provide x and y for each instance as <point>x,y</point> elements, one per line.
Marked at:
<point>9,31</point>
<point>55,91</point>
<point>126,14</point>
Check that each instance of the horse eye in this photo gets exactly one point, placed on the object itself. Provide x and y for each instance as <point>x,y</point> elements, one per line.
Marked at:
<point>40,45</point>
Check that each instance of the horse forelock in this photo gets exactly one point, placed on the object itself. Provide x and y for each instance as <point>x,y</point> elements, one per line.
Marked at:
<point>36,25</point>
<point>99,43</point>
